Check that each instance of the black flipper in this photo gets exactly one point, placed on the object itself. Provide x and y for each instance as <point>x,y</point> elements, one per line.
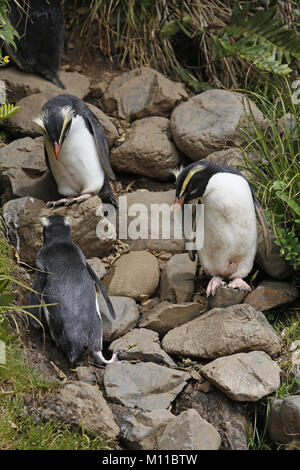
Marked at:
<point>102,290</point>
<point>101,143</point>
<point>106,194</point>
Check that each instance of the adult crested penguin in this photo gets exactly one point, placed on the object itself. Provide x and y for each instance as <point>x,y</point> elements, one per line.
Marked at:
<point>230,232</point>
<point>41,27</point>
<point>76,150</point>
<point>66,283</point>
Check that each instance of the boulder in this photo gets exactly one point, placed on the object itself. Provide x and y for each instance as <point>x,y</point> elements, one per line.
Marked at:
<point>22,218</point>
<point>226,296</point>
<point>142,345</point>
<point>244,376</point>
<point>134,274</point>
<point>148,150</point>
<point>275,265</point>
<point>127,314</point>
<point>270,294</point>
<point>223,331</point>
<point>146,386</point>
<point>212,120</point>
<point>188,431</point>
<point>284,424</point>
<point>140,93</point>
<point>177,279</point>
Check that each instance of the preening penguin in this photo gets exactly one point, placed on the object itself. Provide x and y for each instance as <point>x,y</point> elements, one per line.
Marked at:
<point>230,232</point>
<point>65,279</point>
<point>41,26</point>
<point>76,150</point>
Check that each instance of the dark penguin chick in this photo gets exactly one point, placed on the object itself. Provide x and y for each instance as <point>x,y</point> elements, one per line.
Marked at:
<point>76,150</point>
<point>41,26</point>
<point>230,232</point>
<point>66,281</point>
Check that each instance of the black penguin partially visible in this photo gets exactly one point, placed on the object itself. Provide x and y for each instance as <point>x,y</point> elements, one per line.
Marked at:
<point>76,150</point>
<point>65,279</point>
<point>41,26</point>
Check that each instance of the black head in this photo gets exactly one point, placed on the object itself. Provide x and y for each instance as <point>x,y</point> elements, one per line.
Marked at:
<point>55,119</point>
<point>56,227</point>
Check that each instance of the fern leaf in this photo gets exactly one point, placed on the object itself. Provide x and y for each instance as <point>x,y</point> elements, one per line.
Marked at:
<point>8,110</point>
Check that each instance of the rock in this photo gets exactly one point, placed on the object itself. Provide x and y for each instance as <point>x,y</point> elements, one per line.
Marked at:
<point>140,93</point>
<point>227,416</point>
<point>189,431</point>
<point>177,279</point>
<point>204,124</point>
<point>82,405</point>
<point>225,297</point>
<point>165,316</point>
<point>223,331</point>
<point>25,172</point>
<point>20,84</point>
<point>22,218</point>
<point>148,150</point>
<point>269,294</point>
<point>284,424</point>
<point>109,128</point>
<point>97,265</point>
<point>143,345</point>
<point>143,279</point>
<point>127,314</point>
<point>86,375</point>
<point>244,376</point>
<point>295,360</point>
<point>231,156</point>
<point>141,430</point>
<point>275,265</point>
<point>140,223</point>
<point>146,386</point>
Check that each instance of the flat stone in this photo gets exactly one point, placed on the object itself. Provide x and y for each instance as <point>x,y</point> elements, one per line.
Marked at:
<point>270,294</point>
<point>142,345</point>
<point>223,331</point>
<point>189,431</point>
<point>244,376</point>
<point>225,297</point>
<point>284,424</point>
<point>165,316</point>
<point>127,314</point>
<point>177,279</point>
<point>146,386</point>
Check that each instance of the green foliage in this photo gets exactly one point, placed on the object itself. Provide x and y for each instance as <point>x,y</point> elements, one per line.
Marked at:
<point>7,111</point>
<point>7,32</point>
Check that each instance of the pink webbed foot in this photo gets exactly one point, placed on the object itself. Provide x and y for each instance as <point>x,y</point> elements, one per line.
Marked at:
<point>67,201</point>
<point>238,283</point>
<point>215,282</point>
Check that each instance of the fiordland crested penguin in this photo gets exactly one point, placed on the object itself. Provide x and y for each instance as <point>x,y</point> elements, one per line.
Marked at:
<point>76,150</point>
<point>41,27</point>
<point>64,287</point>
<point>230,231</point>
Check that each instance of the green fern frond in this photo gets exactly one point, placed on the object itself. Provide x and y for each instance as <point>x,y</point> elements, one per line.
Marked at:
<point>8,111</point>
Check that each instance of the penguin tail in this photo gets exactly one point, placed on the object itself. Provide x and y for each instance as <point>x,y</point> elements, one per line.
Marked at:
<point>57,82</point>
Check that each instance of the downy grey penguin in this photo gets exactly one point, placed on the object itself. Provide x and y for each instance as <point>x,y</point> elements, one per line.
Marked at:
<point>65,280</point>
<point>230,231</point>
<point>76,150</point>
<point>41,27</point>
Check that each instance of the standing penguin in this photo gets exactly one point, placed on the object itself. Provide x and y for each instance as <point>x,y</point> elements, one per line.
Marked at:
<point>41,26</point>
<point>230,232</point>
<point>65,280</point>
<point>76,150</point>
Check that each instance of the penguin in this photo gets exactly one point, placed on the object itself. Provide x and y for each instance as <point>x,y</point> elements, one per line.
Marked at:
<point>230,231</point>
<point>64,288</point>
<point>41,27</point>
<point>76,150</point>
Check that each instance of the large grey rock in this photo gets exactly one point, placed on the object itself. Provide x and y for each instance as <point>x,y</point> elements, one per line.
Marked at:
<point>140,93</point>
<point>211,120</point>
<point>146,386</point>
<point>223,331</point>
<point>270,294</point>
<point>127,314</point>
<point>22,218</point>
<point>284,424</point>
<point>244,376</point>
<point>134,274</point>
<point>148,150</point>
<point>177,279</point>
<point>165,316</point>
<point>141,430</point>
<point>189,431</point>
<point>142,345</point>
<point>275,265</point>
<point>82,405</point>
<point>147,210</point>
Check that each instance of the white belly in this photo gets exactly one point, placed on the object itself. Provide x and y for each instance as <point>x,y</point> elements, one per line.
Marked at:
<point>78,169</point>
<point>230,233</point>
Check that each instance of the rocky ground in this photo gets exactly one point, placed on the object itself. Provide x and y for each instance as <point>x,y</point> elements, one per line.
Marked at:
<point>189,368</point>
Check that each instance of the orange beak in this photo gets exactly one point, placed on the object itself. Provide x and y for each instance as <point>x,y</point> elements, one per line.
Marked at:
<point>56,148</point>
<point>177,204</point>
